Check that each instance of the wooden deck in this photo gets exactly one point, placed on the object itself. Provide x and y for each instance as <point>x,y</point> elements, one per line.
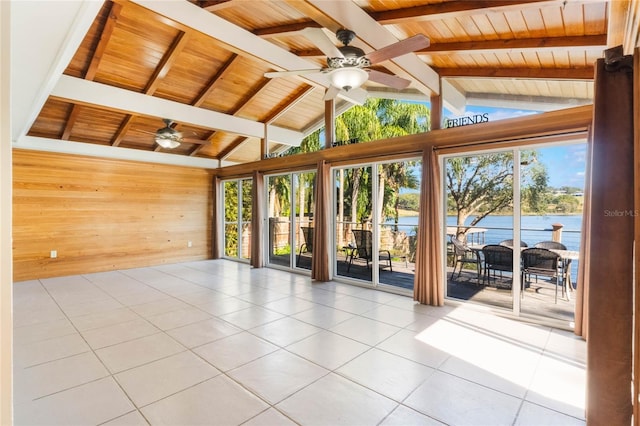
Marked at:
<point>538,299</point>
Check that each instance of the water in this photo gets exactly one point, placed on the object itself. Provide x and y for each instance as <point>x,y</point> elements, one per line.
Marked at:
<point>534,229</point>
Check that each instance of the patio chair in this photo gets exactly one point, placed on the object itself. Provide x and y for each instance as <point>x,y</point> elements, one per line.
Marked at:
<point>364,249</point>
<point>541,261</point>
<point>497,258</point>
<point>509,243</point>
<point>553,245</point>
<point>307,246</point>
<point>464,255</point>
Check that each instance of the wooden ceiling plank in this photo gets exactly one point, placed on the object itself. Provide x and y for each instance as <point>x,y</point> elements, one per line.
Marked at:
<point>107,32</point>
<point>285,29</point>
<point>105,36</point>
<point>455,9</point>
<point>237,143</point>
<point>122,130</point>
<point>297,97</point>
<point>195,150</point>
<point>251,95</point>
<point>214,5</point>
<point>167,61</point>
<point>584,73</point>
<point>222,72</point>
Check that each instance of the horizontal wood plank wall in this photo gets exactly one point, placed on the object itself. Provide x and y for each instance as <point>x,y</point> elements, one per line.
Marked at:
<point>101,214</point>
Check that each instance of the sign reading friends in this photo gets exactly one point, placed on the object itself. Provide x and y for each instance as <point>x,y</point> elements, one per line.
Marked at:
<point>465,121</point>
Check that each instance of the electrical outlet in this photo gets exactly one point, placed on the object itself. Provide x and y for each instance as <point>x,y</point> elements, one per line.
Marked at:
<point>54,254</point>
<point>189,244</point>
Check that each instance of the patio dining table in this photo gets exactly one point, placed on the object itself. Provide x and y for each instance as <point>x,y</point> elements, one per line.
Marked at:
<point>566,257</point>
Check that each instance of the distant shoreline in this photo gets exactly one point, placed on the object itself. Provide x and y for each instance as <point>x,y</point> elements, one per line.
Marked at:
<point>407,213</point>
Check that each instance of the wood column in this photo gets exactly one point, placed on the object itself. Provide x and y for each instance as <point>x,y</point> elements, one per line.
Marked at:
<point>436,111</point>
<point>636,284</point>
<point>609,342</point>
<point>329,123</point>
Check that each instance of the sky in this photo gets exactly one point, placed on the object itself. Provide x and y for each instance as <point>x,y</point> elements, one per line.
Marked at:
<point>565,163</point>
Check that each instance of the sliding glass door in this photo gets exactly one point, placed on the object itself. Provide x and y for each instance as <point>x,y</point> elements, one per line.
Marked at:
<point>290,219</point>
<point>376,222</point>
<point>505,214</point>
<point>237,218</point>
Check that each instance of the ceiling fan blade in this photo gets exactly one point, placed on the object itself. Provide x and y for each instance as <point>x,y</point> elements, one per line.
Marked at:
<point>388,79</point>
<point>324,43</point>
<point>276,74</point>
<point>417,42</point>
<point>332,92</point>
<point>356,96</point>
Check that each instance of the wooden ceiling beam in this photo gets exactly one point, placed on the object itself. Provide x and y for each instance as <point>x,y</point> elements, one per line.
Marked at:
<point>297,97</point>
<point>225,153</point>
<point>455,9</point>
<point>251,95</point>
<point>595,41</point>
<point>92,69</point>
<point>122,130</point>
<point>213,5</point>
<point>284,29</point>
<point>167,61</point>
<point>583,73</point>
<point>222,72</point>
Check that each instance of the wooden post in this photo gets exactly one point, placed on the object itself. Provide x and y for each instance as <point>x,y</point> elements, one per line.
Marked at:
<point>436,112</point>
<point>556,232</point>
<point>610,277</point>
<point>329,123</point>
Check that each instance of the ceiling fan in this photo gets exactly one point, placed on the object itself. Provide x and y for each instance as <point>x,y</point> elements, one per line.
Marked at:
<point>348,66</point>
<point>168,137</point>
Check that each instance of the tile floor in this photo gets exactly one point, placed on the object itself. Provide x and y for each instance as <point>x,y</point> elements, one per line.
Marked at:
<point>219,343</point>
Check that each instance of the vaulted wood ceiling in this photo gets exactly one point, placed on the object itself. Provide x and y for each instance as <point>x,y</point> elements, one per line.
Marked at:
<point>202,64</point>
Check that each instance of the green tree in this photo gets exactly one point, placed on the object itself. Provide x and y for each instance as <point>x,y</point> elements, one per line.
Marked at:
<point>482,185</point>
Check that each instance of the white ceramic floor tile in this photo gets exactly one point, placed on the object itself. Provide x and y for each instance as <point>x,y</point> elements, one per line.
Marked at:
<point>323,316</point>
<point>158,307</point>
<point>394,316</point>
<point>151,382</point>
<point>118,333</point>
<point>270,417</point>
<point>146,296</point>
<point>218,401</point>
<point>285,331</point>
<point>535,415</point>
<point>251,317</point>
<point>323,297</point>
<point>38,314</point>
<point>48,350</point>
<point>90,404</point>
<point>385,373</point>
<point>567,345</point>
<point>328,349</point>
<point>42,331</point>
<point>133,418</point>
<point>559,384</point>
<point>365,330</point>
<point>104,319</point>
<point>452,400</point>
<point>403,416</point>
<point>233,351</point>
<point>406,344</point>
<point>277,375</point>
<point>354,305</point>
<point>55,376</point>
<point>137,352</point>
<point>289,305</point>
<point>333,400</point>
<point>202,332</point>
<point>178,318</point>
<point>261,296</point>
<point>94,307</point>
<point>224,306</point>
<point>202,296</point>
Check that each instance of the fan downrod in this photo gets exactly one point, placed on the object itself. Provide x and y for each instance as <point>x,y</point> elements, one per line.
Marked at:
<point>345,36</point>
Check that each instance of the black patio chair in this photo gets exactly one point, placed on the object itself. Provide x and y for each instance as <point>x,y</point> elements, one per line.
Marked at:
<point>307,246</point>
<point>553,245</point>
<point>497,258</point>
<point>364,249</point>
<point>509,243</point>
<point>464,255</point>
<point>544,262</point>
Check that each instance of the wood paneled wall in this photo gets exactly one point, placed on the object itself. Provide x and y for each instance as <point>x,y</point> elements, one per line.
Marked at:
<point>101,214</point>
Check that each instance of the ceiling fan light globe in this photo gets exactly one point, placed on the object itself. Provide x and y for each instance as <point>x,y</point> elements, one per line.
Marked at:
<point>167,143</point>
<point>348,78</point>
